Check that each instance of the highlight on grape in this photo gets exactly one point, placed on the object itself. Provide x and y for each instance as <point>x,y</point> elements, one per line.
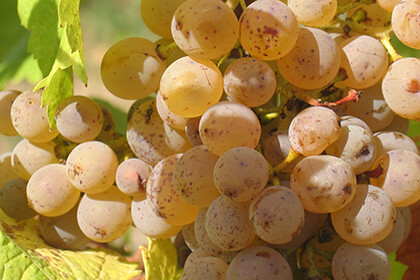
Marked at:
<point>269,136</point>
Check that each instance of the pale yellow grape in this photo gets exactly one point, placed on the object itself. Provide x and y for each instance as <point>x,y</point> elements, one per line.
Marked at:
<point>277,215</point>
<point>193,175</point>
<point>355,262</point>
<point>406,22</point>
<point>365,60</point>
<point>394,239</point>
<point>50,192</point>
<point>204,242</point>
<point>6,100</point>
<point>367,218</point>
<point>241,173</point>
<point>167,116</point>
<point>131,68</point>
<point>79,119</point>
<point>104,216</point>
<point>30,119</point>
<point>392,140</point>
<point>205,29</point>
<point>150,138</point>
<point>131,177</point>
<point>352,120</point>
<point>356,146</point>
<point>259,262</point>
<point>227,125</point>
<point>13,200</point>
<point>268,29</point>
<point>6,169</point>
<point>227,224</point>
<point>313,12</point>
<point>401,87</point>
<point>387,4</point>
<point>63,231</point>
<point>157,15</point>
<point>313,129</point>
<point>192,131</point>
<point>150,224</point>
<point>323,183</point>
<point>314,60</point>
<point>399,176</point>
<point>188,233</point>
<point>399,124</point>
<point>371,108</point>
<point>195,256</point>
<point>249,81</point>
<point>91,167</point>
<point>163,197</point>
<point>108,126</point>
<point>312,222</point>
<point>28,157</point>
<point>210,268</point>
<point>190,86</point>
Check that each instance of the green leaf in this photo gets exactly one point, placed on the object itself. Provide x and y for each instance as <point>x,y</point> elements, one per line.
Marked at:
<point>402,49</point>
<point>161,261</point>
<point>397,269</point>
<point>25,256</point>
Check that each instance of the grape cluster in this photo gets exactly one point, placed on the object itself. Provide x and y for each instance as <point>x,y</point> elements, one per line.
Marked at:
<point>267,135</point>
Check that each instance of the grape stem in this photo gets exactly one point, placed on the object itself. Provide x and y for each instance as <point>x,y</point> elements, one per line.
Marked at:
<point>163,51</point>
<point>394,55</point>
<point>290,157</point>
<point>352,95</point>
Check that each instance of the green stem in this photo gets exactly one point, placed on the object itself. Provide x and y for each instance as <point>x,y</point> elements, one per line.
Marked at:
<point>393,53</point>
<point>232,3</point>
<point>163,51</point>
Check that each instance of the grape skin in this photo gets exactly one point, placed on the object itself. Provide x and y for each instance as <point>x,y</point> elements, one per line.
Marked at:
<point>6,169</point>
<point>114,218</point>
<point>167,116</point>
<point>392,140</point>
<point>205,268</point>
<point>6,100</point>
<point>131,177</point>
<point>313,13</point>
<point>206,245</point>
<point>268,29</point>
<point>395,238</point>
<point>49,191</point>
<point>13,200</point>
<point>314,60</point>
<point>405,22</point>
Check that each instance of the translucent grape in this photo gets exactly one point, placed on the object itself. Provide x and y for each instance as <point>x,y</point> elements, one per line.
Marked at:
<point>405,22</point>
<point>355,262</point>
<point>151,225</point>
<point>227,125</point>
<point>167,116</point>
<point>367,218</point>
<point>206,245</point>
<point>150,138</point>
<point>157,15</point>
<point>241,173</point>
<point>190,86</point>
<point>206,268</point>
<point>314,60</point>
<point>165,200</point>
<point>13,200</point>
<point>131,68</point>
<point>249,81</point>
<point>49,191</point>
<point>79,119</point>
<point>30,119</point>
<point>277,215</point>
<point>313,13</point>
<point>6,100</point>
<point>313,129</point>
<point>323,183</point>
<point>268,29</point>
<point>394,239</point>
<point>63,231</point>
<point>91,167</point>
<point>352,120</point>
<point>131,177</point>
<point>6,169</point>
<point>371,108</point>
<point>392,140</point>
<point>399,176</point>
<point>28,157</point>
<point>401,87</point>
<point>227,224</point>
<point>356,146</point>
<point>205,29</point>
<point>104,216</point>
<point>259,262</point>
<point>365,60</point>
<point>193,176</point>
